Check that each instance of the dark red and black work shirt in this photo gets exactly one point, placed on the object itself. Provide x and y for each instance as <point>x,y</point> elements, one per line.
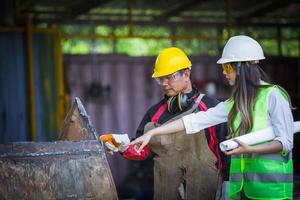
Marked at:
<point>159,113</point>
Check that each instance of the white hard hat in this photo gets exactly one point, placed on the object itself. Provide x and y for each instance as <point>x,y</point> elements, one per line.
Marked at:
<point>241,48</point>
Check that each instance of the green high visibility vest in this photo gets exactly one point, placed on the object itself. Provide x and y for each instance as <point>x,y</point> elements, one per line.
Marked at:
<point>261,176</point>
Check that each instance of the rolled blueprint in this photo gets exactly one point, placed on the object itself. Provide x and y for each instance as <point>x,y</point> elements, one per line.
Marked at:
<point>256,137</point>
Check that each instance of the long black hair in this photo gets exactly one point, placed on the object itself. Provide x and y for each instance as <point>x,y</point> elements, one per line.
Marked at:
<point>245,91</point>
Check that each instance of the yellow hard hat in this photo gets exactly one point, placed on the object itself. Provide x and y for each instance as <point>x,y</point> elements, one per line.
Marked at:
<point>170,60</point>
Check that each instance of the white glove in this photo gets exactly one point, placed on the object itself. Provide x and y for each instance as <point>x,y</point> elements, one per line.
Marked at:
<point>115,142</point>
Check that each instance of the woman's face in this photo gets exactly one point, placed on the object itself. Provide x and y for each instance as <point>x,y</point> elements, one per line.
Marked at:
<point>229,72</point>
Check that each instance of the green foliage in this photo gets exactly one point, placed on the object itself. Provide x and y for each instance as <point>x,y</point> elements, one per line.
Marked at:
<point>121,30</point>
<point>196,47</point>
<point>141,47</point>
<point>291,48</point>
<point>87,46</point>
<point>154,31</point>
<point>103,30</point>
<point>270,47</point>
<point>194,40</point>
<point>70,29</point>
<point>76,46</point>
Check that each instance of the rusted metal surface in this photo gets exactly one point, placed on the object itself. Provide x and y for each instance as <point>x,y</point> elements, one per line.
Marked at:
<point>61,169</point>
<point>55,170</point>
<point>77,124</point>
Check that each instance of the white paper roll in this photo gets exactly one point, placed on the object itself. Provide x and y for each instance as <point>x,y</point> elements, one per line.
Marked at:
<point>256,137</point>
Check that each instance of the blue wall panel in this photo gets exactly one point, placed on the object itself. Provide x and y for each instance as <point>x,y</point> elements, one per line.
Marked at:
<point>14,123</point>
<point>14,101</point>
<point>45,87</point>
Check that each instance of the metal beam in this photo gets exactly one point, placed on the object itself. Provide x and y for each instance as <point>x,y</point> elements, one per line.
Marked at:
<point>263,8</point>
<point>84,7</point>
<point>31,78</point>
<point>130,24</point>
<point>61,109</point>
<point>215,24</point>
<point>158,37</point>
<point>27,3</point>
<point>97,36</point>
<point>229,17</point>
<point>175,11</point>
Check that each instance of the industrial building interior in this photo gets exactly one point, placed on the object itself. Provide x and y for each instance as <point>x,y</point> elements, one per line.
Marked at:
<point>103,52</point>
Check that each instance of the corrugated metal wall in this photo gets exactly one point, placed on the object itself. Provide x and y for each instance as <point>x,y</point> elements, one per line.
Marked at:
<point>131,89</point>
<point>14,103</point>
<point>45,87</point>
<point>14,121</point>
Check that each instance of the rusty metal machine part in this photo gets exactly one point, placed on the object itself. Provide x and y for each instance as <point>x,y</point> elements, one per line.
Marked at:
<point>75,169</point>
<point>77,124</point>
<point>55,170</point>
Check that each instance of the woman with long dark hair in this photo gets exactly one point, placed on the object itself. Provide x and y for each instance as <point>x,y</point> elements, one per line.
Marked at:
<point>262,171</point>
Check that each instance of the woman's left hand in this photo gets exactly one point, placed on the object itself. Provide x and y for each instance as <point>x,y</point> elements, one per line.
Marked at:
<point>243,148</point>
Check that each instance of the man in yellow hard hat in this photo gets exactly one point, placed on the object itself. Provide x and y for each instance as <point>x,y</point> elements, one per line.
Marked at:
<point>185,167</point>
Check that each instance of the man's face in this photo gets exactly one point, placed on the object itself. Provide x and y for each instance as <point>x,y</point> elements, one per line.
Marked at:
<point>174,83</point>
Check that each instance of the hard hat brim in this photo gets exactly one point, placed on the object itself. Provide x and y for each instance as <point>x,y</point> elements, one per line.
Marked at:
<point>157,75</point>
<point>226,60</point>
<point>223,60</point>
<point>166,73</point>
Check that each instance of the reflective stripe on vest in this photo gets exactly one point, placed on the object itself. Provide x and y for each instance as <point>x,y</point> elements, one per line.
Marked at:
<point>270,156</point>
<point>261,176</point>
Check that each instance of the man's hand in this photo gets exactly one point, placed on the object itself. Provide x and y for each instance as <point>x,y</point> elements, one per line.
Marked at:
<point>115,142</point>
<point>141,141</point>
